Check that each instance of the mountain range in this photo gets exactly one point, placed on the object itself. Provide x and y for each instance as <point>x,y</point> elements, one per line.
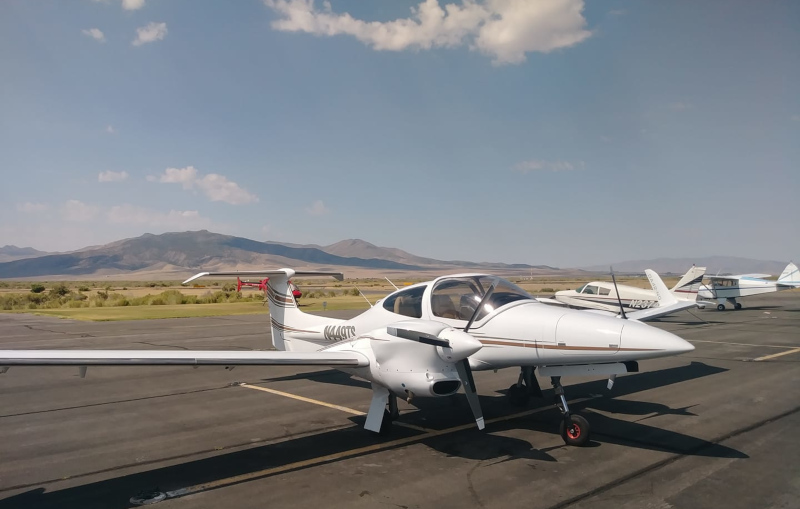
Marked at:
<point>179,254</point>
<point>713,264</point>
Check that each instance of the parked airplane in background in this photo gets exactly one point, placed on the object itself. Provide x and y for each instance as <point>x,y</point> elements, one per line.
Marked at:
<point>729,288</point>
<point>424,341</point>
<point>603,295</point>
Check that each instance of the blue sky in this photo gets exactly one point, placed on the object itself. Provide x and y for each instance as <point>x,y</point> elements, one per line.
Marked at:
<point>561,132</point>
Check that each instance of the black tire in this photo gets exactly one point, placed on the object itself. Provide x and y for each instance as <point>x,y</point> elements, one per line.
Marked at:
<point>720,307</point>
<point>575,430</point>
<point>518,396</point>
<point>737,306</point>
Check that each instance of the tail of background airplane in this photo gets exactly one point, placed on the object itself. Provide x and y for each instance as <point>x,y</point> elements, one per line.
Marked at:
<point>689,284</point>
<point>790,276</point>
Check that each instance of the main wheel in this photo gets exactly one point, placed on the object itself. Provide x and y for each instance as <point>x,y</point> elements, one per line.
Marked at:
<point>738,305</point>
<point>575,430</point>
<point>720,307</point>
<point>518,395</point>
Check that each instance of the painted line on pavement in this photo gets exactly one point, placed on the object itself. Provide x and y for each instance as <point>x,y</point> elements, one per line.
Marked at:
<point>352,411</point>
<point>302,398</point>
<point>780,354</point>
<point>737,344</point>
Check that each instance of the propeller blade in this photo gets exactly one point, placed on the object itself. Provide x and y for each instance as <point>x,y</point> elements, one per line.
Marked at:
<point>616,290</point>
<point>483,301</point>
<point>465,374</point>
<point>420,337</point>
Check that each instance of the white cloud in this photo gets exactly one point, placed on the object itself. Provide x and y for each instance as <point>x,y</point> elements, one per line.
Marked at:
<point>216,187</point>
<point>132,5</point>
<point>95,33</point>
<point>32,208</point>
<point>78,211</point>
<point>110,129</point>
<point>504,29</point>
<point>140,216</point>
<point>318,208</point>
<point>112,176</point>
<point>151,32</point>
<point>533,165</point>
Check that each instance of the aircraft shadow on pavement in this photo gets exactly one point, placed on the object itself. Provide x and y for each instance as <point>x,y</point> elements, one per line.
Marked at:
<point>116,492</point>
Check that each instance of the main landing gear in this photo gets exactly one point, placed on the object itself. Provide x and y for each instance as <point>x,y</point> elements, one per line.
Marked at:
<point>390,414</point>
<point>574,428</point>
<point>736,305</point>
<point>527,385</point>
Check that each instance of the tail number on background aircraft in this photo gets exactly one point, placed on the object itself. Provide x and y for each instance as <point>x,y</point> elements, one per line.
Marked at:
<point>339,332</point>
<point>642,304</point>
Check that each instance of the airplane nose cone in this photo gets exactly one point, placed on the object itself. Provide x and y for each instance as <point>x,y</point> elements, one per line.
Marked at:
<point>462,345</point>
<point>652,341</point>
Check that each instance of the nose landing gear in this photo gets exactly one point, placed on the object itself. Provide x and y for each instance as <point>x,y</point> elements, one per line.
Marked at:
<point>574,428</point>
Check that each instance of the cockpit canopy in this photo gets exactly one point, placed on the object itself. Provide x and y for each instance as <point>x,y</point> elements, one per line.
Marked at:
<point>456,298</point>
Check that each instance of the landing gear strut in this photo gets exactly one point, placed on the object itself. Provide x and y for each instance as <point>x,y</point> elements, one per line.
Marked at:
<point>527,385</point>
<point>390,414</point>
<point>574,428</point>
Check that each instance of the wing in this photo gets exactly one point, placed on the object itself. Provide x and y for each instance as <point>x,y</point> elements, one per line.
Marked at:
<point>554,302</point>
<point>178,358</point>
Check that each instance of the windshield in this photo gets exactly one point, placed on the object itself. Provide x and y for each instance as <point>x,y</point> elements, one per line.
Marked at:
<point>457,298</point>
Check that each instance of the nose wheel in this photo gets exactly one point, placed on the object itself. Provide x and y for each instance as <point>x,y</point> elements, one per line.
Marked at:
<point>574,428</point>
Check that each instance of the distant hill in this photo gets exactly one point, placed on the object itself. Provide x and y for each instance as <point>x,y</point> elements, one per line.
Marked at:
<point>11,253</point>
<point>186,252</point>
<point>714,264</point>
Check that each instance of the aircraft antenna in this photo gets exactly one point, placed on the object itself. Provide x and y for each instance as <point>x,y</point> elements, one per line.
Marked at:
<point>616,290</point>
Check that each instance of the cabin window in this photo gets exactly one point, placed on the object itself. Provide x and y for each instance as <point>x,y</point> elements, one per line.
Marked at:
<point>604,291</point>
<point>590,290</point>
<point>407,302</point>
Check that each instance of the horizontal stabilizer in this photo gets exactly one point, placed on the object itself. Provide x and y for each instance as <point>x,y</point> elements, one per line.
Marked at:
<point>649,314</point>
<point>290,273</point>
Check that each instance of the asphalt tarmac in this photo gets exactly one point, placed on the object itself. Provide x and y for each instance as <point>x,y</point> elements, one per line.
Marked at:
<point>714,428</point>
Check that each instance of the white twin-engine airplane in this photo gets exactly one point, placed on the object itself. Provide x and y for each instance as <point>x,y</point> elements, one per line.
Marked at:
<point>729,288</point>
<point>424,341</point>
<point>606,296</point>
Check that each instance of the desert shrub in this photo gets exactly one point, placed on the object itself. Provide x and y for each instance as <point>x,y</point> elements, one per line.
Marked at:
<point>60,290</point>
<point>83,288</point>
<point>124,287</point>
<point>158,301</point>
<point>37,288</point>
<point>229,287</point>
<point>547,290</point>
<point>354,291</point>
<point>331,294</point>
<point>75,304</point>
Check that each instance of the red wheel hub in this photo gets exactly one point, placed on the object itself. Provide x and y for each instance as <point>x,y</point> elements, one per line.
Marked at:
<point>574,431</point>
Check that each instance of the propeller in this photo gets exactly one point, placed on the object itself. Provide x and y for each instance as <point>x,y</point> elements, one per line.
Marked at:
<point>616,290</point>
<point>452,346</point>
<point>419,337</point>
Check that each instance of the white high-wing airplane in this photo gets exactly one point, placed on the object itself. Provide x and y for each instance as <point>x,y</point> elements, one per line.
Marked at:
<point>729,288</point>
<point>424,341</point>
<point>606,296</point>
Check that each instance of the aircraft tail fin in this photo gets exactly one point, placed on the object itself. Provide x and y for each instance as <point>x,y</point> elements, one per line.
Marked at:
<point>664,296</point>
<point>689,284</point>
<point>790,276</point>
<point>285,316</point>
